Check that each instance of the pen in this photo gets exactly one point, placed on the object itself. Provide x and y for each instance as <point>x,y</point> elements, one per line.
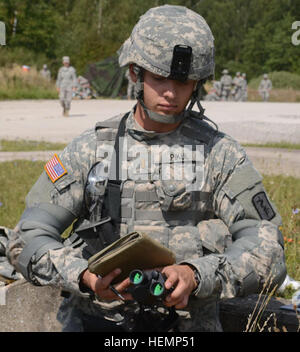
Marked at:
<point>115,291</point>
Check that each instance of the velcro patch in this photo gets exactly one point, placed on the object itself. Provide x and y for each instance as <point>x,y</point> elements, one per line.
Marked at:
<point>54,168</point>
<point>263,206</point>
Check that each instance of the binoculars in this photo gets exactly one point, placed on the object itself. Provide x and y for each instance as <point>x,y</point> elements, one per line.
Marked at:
<point>148,286</point>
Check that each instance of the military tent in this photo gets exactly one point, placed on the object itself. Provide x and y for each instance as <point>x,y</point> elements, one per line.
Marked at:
<point>107,78</point>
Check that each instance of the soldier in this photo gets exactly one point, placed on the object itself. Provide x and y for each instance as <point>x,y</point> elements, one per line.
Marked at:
<point>66,82</point>
<point>130,87</point>
<point>215,93</point>
<point>244,88</point>
<point>265,87</point>
<point>226,82</point>
<point>237,87</point>
<point>7,271</point>
<point>45,72</point>
<point>82,90</point>
<point>216,217</point>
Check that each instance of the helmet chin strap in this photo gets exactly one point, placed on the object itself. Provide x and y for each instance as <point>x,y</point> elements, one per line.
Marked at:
<point>167,119</point>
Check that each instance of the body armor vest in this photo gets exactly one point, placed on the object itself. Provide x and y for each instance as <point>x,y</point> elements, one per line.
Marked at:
<point>148,196</point>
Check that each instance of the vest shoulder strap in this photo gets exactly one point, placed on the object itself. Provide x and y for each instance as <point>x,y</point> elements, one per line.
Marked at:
<point>105,129</point>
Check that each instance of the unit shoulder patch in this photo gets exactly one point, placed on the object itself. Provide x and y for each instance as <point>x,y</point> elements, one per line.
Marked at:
<point>54,168</point>
<point>263,206</point>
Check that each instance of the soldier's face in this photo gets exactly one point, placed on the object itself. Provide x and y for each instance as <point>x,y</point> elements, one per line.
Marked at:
<point>166,96</point>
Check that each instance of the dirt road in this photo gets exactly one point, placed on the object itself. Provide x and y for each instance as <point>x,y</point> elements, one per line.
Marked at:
<point>247,122</point>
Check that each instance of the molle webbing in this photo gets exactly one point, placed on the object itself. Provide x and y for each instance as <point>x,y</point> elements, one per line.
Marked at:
<point>151,196</point>
<point>158,215</point>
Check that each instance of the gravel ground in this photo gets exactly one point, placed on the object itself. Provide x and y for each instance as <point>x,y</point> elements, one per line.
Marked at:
<point>254,122</point>
<point>246,122</point>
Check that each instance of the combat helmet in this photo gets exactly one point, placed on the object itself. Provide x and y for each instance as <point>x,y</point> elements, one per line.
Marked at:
<point>66,59</point>
<point>173,42</point>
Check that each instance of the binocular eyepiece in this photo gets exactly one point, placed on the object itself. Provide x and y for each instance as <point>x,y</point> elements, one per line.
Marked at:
<point>147,286</point>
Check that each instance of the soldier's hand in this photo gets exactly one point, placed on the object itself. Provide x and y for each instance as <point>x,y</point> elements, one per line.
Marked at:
<point>101,285</point>
<point>181,277</point>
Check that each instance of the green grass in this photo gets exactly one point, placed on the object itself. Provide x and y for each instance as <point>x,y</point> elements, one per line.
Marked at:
<point>283,145</point>
<point>24,93</point>
<point>280,80</point>
<point>17,177</point>
<point>25,146</point>
<point>285,192</point>
<point>17,84</point>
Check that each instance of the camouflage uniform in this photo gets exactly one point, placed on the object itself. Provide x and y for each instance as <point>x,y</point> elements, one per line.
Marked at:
<point>83,90</point>
<point>244,89</point>
<point>7,271</point>
<point>66,81</point>
<point>216,216</point>
<point>264,87</point>
<point>237,87</point>
<point>226,82</point>
<point>45,72</point>
<point>215,93</point>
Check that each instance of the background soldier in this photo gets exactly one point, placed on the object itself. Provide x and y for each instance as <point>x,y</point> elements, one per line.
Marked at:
<point>265,87</point>
<point>237,87</point>
<point>215,93</point>
<point>226,82</point>
<point>244,89</point>
<point>45,72</point>
<point>217,218</point>
<point>66,83</point>
<point>83,89</point>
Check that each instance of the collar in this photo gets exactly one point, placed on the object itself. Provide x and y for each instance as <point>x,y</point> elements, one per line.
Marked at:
<point>138,132</point>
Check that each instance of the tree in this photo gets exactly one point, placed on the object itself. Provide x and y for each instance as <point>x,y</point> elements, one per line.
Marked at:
<point>252,36</point>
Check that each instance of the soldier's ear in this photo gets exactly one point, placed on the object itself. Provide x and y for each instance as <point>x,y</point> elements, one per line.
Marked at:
<point>133,75</point>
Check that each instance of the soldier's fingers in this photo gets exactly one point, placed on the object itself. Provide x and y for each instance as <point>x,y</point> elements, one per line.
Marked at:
<point>105,281</point>
<point>172,278</point>
<point>123,285</point>
<point>176,295</point>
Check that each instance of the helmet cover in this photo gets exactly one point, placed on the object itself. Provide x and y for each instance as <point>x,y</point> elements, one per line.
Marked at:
<point>159,30</point>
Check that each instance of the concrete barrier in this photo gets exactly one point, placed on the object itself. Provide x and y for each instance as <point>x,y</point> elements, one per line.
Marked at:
<point>28,308</point>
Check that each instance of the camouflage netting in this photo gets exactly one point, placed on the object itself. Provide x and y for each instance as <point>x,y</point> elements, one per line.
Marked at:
<point>107,78</point>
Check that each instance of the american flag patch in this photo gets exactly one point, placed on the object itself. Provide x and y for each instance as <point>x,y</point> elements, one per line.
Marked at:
<point>55,168</point>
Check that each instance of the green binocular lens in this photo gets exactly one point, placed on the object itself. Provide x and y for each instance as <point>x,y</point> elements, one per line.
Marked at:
<point>137,277</point>
<point>157,289</point>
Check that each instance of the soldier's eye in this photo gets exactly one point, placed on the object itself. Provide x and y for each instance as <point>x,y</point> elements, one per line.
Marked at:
<point>159,78</point>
